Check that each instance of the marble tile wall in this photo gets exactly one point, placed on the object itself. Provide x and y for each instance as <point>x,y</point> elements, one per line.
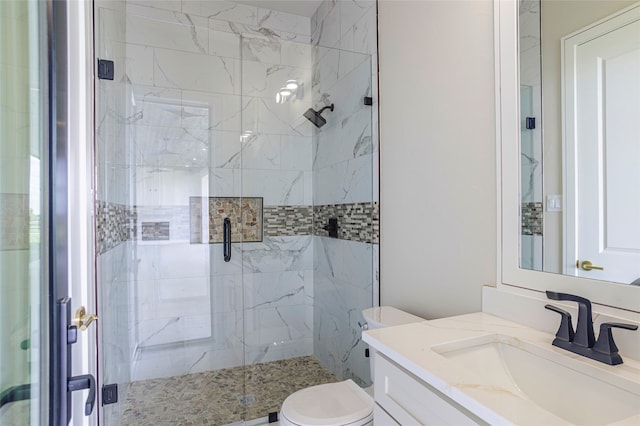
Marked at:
<point>345,176</point>
<point>196,312</point>
<point>181,137</point>
<point>351,26</point>
<point>184,64</point>
<point>343,287</point>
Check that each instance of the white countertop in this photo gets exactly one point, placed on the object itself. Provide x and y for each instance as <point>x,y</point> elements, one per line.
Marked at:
<point>411,346</point>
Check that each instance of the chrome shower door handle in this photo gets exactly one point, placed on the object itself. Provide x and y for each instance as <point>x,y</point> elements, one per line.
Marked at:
<point>226,235</point>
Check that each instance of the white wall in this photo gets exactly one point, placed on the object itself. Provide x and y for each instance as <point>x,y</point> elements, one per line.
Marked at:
<point>437,154</point>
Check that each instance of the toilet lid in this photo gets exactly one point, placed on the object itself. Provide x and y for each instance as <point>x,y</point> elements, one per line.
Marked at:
<point>342,403</point>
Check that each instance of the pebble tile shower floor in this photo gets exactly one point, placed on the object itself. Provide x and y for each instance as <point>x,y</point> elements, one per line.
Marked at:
<point>213,397</point>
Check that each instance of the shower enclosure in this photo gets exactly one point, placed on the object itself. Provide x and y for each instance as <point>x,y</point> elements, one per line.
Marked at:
<point>220,290</point>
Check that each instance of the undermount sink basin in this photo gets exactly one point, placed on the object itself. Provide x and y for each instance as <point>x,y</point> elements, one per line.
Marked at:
<point>566,387</point>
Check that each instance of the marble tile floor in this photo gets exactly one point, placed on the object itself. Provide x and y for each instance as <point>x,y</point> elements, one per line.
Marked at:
<point>213,397</point>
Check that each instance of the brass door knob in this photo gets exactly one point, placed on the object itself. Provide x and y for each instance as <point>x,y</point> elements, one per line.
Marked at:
<point>82,320</point>
<point>586,265</point>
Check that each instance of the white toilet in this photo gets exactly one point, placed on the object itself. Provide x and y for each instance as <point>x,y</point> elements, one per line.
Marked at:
<point>342,403</point>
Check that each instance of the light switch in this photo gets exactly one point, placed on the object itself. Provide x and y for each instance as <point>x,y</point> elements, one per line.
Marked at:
<point>554,203</point>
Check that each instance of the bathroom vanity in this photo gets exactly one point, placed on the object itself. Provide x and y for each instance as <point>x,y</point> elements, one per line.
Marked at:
<point>482,369</point>
<point>499,366</point>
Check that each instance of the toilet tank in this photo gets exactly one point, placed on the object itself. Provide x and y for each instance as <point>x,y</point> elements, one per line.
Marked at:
<point>385,316</point>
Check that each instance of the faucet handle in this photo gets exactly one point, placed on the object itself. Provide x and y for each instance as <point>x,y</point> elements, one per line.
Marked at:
<point>565,331</point>
<point>606,345</point>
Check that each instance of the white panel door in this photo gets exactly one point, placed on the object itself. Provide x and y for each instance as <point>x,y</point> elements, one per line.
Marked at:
<point>602,146</point>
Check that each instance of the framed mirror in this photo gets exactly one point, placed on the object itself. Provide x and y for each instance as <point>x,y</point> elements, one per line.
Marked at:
<point>544,153</point>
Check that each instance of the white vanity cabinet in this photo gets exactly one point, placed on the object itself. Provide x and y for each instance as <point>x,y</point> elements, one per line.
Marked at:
<point>402,398</point>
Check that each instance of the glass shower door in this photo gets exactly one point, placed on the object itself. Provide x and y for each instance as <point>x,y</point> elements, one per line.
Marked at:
<point>169,286</point>
<point>304,288</point>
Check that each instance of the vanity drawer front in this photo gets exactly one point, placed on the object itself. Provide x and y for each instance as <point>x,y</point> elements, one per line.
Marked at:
<point>410,401</point>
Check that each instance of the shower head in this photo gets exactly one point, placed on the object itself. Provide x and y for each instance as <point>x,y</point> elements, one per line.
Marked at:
<point>316,116</point>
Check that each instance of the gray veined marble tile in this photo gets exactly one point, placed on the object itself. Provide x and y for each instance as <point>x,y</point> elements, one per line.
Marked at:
<point>139,64</point>
<point>348,181</point>
<point>351,11</point>
<point>275,289</point>
<point>296,252</point>
<point>262,152</point>
<point>226,150</point>
<point>191,71</point>
<point>356,134</point>
<point>276,254</point>
<point>223,10</point>
<point>155,107</point>
<point>111,28</point>
<point>223,43</point>
<point>261,49</point>
<point>365,34</point>
<point>267,116</point>
<point>296,54</point>
<point>296,153</point>
<point>284,21</point>
<point>278,187</point>
<point>169,30</point>
<point>327,32</point>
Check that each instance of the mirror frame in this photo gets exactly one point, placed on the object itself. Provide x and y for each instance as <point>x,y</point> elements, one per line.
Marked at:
<point>509,273</point>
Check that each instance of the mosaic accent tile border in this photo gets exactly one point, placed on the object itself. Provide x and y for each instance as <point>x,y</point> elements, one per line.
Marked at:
<point>155,231</point>
<point>14,221</point>
<point>356,221</point>
<point>176,216</point>
<point>245,214</point>
<point>532,218</point>
<point>115,224</point>
<point>288,220</point>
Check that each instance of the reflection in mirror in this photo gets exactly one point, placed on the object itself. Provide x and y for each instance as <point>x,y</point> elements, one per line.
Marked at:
<point>531,239</point>
<point>562,209</point>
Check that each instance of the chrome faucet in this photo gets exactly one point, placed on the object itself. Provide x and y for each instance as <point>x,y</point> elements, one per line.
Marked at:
<point>583,341</point>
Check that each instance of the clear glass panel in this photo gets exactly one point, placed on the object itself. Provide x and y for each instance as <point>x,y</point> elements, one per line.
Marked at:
<point>171,306</point>
<point>303,290</point>
<point>22,232</point>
